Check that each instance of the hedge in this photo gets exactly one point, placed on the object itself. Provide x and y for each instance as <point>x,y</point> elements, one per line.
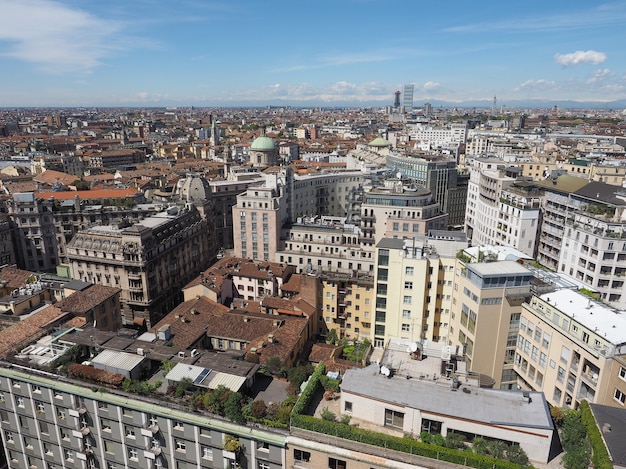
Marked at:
<point>404,445</point>
<point>600,458</point>
<point>311,389</point>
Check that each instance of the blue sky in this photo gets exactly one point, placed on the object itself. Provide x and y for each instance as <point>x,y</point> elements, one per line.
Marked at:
<point>204,53</point>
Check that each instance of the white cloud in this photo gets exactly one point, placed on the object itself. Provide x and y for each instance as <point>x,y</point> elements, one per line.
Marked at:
<point>54,36</point>
<point>599,75</point>
<point>431,86</point>
<point>580,57</point>
<point>534,85</point>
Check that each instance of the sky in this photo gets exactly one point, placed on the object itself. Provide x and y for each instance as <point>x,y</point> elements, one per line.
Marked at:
<point>308,53</point>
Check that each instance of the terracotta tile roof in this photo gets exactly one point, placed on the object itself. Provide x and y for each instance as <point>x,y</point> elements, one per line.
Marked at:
<point>88,195</point>
<point>14,277</point>
<point>99,177</point>
<point>51,177</point>
<point>81,302</point>
<point>293,284</point>
<point>197,315</point>
<point>21,186</point>
<point>29,330</point>
<point>324,353</point>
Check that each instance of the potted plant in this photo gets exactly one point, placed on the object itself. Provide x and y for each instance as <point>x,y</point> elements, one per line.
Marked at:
<point>231,446</point>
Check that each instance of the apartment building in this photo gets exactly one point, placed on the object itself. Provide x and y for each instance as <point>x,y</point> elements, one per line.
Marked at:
<point>325,244</point>
<point>150,261</point>
<point>441,176</point>
<point>50,421</point>
<point>348,304</point>
<point>395,210</point>
<point>583,234</point>
<point>519,217</point>
<point>413,287</point>
<point>258,217</point>
<point>572,348</point>
<point>488,178</point>
<point>486,307</point>
<point>45,222</point>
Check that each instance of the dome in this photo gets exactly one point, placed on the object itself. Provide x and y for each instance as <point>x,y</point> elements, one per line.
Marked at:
<point>263,144</point>
<point>379,142</point>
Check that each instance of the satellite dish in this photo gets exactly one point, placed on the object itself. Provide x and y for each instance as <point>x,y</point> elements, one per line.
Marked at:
<point>413,347</point>
<point>385,371</point>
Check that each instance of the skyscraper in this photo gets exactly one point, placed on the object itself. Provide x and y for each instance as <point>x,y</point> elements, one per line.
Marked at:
<point>396,101</point>
<point>407,98</point>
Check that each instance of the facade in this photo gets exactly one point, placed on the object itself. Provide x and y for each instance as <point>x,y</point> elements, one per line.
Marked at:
<point>412,405</point>
<point>413,287</point>
<point>258,217</point>
<point>407,97</point>
<point>485,313</point>
<point>325,244</point>
<point>488,178</point>
<point>45,222</point>
<point>572,348</point>
<point>395,211</point>
<point>52,422</point>
<point>150,261</point>
<point>519,217</point>
<point>347,304</point>
<point>441,177</point>
<point>583,234</point>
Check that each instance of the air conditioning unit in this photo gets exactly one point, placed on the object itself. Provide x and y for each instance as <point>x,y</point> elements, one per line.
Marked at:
<point>140,351</point>
<point>181,354</point>
<point>194,352</point>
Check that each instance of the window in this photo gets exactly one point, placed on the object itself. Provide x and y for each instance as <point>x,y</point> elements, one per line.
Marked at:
<point>19,401</point>
<point>347,406</point>
<point>408,285</point>
<point>207,453</point>
<point>407,300</point>
<point>68,454</point>
<point>263,465</point>
<point>178,425</point>
<point>301,456</point>
<point>394,418</point>
<point>130,432</point>
<point>41,408</point>
<point>8,436</point>
<point>406,327</point>
<point>619,396</point>
<point>409,270</point>
<point>622,373</point>
<point>336,464</point>
<point>181,445</point>
<point>406,313</point>
<point>132,453</point>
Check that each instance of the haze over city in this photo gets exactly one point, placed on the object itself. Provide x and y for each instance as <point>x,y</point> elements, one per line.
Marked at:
<point>354,52</point>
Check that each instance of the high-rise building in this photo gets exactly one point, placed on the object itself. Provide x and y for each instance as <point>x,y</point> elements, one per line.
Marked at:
<point>407,98</point>
<point>396,100</point>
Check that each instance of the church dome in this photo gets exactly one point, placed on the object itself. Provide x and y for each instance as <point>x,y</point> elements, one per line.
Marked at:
<point>379,142</point>
<point>263,144</point>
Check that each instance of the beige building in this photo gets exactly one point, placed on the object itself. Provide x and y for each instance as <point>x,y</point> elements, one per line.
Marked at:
<point>150,261</point>
<point>258,218</point>
<point>413,282</point>
<point>572,348</point>
<point>486,308</point>
<point>347,304</point>
<point>397,211</point>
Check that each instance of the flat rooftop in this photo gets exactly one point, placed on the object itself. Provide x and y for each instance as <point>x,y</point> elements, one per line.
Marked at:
<point>498,268</point>
<point>604,320</point>
<point>476,404</point>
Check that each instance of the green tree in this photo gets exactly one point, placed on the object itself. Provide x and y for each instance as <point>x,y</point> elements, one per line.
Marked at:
<point>328,415</point>
<point>331,337</point>
<point>517,455</point>
<point>497,449</point>
<point>454,441</point>
<point>258,409</point>
<point>480,446</point>
<point>217,400</point>
<point>296,377</point>
<point>232,407</point>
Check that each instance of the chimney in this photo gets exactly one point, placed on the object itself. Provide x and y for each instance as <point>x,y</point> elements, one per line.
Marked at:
<point>270,338</point>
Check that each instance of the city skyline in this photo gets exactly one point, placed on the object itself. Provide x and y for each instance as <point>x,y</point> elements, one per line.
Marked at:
<point>67,53</point>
